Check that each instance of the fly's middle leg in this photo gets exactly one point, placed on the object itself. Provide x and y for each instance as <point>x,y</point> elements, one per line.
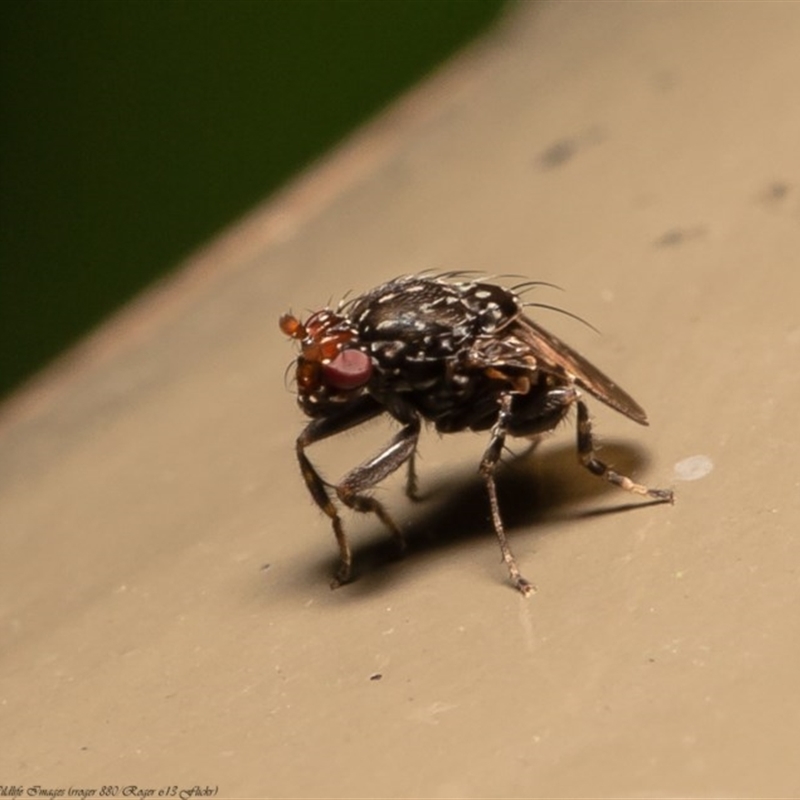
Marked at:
<point>488,465</point>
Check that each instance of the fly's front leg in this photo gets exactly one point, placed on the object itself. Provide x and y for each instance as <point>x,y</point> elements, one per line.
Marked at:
<point>322,428</point>
<point>587,457</point>
<point>488,465</point>
<point>351,490</point>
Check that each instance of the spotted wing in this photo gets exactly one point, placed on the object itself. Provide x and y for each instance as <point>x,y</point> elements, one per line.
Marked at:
<point>553,356</point>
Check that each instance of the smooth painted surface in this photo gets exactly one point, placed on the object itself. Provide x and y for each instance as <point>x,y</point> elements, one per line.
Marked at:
<point>166,617</point>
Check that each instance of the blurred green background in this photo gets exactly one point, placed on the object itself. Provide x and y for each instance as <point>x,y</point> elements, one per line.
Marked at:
<point>133,131</point>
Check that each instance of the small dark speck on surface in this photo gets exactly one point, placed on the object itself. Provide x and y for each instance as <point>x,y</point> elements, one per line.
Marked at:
<point>564,150</point>
<point>265,567</point>
<point>775,192</point>
<point>557,154</point>
<point>376,676</point>
<point>676,236</point>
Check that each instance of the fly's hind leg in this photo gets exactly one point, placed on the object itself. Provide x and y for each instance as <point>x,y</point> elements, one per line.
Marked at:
<point>587,457</point>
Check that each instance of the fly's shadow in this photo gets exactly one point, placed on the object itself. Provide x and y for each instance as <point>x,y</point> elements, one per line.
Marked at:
<point>535,489</point>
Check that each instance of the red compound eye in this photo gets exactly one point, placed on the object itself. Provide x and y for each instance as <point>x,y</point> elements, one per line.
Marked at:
<point>349,370</point>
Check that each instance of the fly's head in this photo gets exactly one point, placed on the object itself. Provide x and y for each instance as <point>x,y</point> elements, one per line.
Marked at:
<point>331,369</point>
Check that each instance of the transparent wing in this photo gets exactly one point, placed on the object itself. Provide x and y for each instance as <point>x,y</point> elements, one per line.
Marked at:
<point>552,355</point>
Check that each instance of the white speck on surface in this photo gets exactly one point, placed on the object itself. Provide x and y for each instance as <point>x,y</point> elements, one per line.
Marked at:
<point>693,468</point>
<point>429,713</point>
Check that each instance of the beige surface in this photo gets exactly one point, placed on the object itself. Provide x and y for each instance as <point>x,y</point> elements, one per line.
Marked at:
<point>643,156</point>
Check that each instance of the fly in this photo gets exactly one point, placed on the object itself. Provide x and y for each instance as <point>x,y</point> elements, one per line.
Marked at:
<point>459,354</point>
